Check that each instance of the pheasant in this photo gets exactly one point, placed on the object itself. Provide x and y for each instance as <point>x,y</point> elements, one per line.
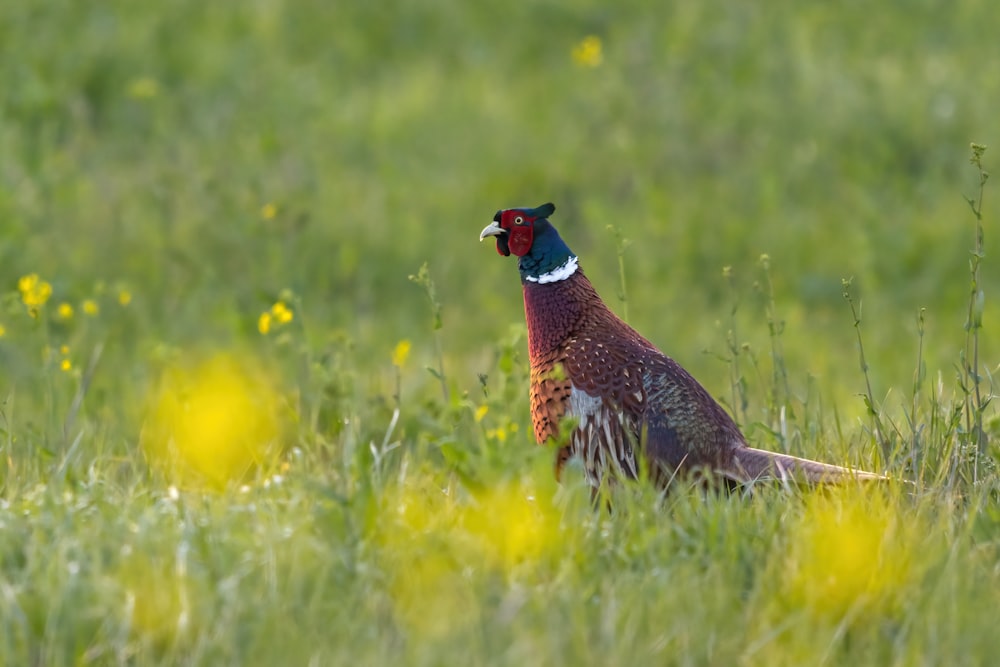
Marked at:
<point>627,398</point>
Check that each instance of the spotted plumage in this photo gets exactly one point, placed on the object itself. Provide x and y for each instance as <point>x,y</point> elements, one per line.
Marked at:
<point>628,399</point>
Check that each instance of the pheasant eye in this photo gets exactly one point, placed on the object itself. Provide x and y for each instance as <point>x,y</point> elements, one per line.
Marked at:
<point>519,220</point>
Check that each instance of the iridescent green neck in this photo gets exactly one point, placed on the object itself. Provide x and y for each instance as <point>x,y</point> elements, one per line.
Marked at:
<point>549,260</point>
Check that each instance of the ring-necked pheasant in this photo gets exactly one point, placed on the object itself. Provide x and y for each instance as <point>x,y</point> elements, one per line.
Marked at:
<point>625,394</point>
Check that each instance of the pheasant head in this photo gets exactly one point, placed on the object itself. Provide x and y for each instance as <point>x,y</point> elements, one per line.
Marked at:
<point>527,233</point>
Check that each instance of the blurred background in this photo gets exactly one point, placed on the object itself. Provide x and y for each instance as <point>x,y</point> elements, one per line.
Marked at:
<point>263,394</point>
<point>185,166</point>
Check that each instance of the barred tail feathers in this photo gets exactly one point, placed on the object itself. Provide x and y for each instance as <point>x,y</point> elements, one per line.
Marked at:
<point>760,464</point>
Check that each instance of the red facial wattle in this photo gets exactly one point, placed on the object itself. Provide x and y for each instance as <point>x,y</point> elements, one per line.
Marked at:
<point>520,233</point>
<point>520,237</point>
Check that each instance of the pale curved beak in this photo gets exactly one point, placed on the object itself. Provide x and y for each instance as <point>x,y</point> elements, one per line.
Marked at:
<point>492,229</point>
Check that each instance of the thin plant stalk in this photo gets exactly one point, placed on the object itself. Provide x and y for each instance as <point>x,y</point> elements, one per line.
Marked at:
<point>873,410</point>
<point>975,403</point>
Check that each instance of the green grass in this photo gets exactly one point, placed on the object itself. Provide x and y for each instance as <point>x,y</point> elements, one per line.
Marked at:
<point>208,161</point>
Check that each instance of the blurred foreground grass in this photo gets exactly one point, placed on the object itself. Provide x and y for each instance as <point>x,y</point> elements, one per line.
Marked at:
<point>220,440</point>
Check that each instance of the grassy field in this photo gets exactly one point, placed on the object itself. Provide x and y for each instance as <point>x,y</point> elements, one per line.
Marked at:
<point>264,396</point>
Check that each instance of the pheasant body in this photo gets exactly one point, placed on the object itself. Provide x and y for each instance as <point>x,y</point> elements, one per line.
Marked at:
<point>627,398</point>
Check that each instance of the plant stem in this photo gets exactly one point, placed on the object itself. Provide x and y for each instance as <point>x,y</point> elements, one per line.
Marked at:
<point>621,243</point>
<point>779,373</point>
<point>974,410</point>
<point>423,278</point>
<point>873,410</point>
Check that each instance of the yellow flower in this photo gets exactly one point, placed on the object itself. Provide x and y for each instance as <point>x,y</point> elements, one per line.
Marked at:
<point>34,291</point>
<point>66,365</point>
<point>400,354</point>
<point>158,600</point>
<point>3,330</point>
<point>516,526</point>
<point>90,307</point>
<point>424,549</point>
<point>497,434</point>
<point>65,311</point>
<point>481,412</point>
<point>268,211</point>
<point>281,312</point>
<point>264,323</point>
<point>589,52</point>
<point>143,88</point>
<point>848,554</point>
<point>27,283</point>
<point>64,350</point>
<point>124,297</point>
<point>210,424</point>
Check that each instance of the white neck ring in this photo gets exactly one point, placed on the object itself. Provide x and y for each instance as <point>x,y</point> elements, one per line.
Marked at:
<point>561,272</point>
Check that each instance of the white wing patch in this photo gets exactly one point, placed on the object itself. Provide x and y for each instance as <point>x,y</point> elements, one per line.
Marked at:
<point>599,438</point>
<point>583,405</point>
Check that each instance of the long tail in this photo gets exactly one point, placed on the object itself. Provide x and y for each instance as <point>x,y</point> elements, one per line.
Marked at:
<point>753,464</point>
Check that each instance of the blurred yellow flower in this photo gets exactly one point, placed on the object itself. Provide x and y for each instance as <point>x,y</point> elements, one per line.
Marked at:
<point>401,353</point>
<point>3,330</point>
<point>90,307</point>
<point>282,314</point>
<point>65,311</point>
<point>434,541</point>
<point>277,315</point>
<point>589,52</point>
<point>64,350</point>
<point>66,365</point>
<point>481,412</point>
<point>143,88</point>
<point>499,433</point>
<point>268,211</point>
<point>264,323</point>
<point>124,297</point>
<point>34,291</point>
<point>158,599</point>
<point>423,550</point>
<point>849,554</point>
<point>211,424</point>
<point>515,525</point>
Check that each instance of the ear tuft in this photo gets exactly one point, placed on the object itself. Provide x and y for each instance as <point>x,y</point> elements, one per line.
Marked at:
<point>545,210</point>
